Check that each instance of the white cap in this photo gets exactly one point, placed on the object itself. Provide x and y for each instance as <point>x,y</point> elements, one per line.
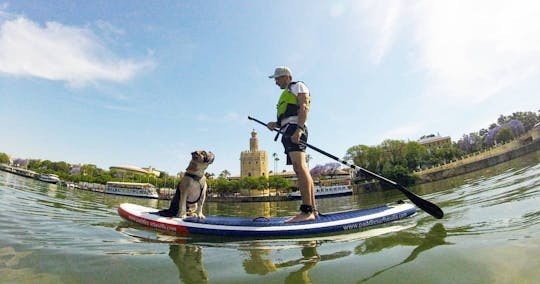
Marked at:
<point>281,71</point>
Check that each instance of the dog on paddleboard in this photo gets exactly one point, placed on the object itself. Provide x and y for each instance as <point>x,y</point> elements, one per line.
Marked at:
<point>191,190</point>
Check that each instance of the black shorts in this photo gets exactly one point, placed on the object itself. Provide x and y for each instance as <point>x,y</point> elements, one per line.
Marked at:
<point>291,146</point>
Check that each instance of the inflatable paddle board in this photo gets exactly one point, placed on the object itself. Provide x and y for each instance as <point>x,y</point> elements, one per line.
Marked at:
<point>266,227</point>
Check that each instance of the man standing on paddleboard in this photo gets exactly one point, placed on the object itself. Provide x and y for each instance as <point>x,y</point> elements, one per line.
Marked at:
<point>292,113</point>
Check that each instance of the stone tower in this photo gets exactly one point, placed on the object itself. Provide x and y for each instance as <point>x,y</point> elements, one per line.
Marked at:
<point>253,163</point>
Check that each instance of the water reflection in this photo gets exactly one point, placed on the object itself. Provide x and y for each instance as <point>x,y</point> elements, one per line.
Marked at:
<point>309,259</point>
<point>188,260</point>
<point>435,237</point>
<point>259,261</point>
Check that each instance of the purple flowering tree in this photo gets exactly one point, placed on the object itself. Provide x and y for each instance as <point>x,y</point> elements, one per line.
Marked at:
<point>516,126</point>
<point>490,138</point>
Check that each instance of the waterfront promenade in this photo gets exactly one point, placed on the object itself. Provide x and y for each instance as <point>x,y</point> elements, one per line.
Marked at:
<point>480,160</point>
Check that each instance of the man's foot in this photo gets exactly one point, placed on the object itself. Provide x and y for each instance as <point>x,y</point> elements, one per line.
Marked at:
<point>301,217</point>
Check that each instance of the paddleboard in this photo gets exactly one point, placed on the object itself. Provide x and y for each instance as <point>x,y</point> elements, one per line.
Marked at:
<point>267,227</point>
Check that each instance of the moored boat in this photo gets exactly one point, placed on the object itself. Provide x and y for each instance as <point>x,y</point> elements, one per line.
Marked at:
<point>145,190</point>
<point>19,171</point>
<point>326,191</point>
<point>50,178</point>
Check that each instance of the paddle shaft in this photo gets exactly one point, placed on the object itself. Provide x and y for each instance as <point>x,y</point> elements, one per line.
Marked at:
<point>425,205</point>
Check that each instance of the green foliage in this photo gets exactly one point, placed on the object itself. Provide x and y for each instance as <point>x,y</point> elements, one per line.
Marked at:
<point>528,118</point>
<point>399,174</point>
<point>504,135</point>
<point>226,187</point>
<point>279,182</point>
<point>518,123</point>
<point>225,174</point>
<point>4,158</point>
<point>253,183</point>
<point>415,154</point>
<point>397,160</point>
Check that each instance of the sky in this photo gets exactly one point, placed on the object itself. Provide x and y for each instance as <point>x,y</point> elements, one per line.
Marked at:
<point>145,83</point>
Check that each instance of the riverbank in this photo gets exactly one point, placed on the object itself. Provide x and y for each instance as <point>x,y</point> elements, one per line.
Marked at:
<point>478,161</point>
<point>464,165</point>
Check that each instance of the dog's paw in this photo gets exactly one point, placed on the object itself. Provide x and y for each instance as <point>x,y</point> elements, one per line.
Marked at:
<point>201,216</point>
<point>183,216</point>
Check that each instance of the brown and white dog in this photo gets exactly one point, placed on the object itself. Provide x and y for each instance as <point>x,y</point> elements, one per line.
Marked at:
<point>191,191</point>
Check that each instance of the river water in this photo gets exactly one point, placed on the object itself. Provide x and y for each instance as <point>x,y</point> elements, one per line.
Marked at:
<point>490,234</point>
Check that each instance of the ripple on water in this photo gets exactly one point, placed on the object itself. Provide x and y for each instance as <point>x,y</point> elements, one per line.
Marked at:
<point>506,202</point>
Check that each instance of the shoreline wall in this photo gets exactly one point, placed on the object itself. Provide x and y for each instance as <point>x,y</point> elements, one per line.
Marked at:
<point>463,166</point>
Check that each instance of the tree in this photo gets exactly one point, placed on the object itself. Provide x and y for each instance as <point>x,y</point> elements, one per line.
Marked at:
<point>278,182</point>
<point>4,158</point>
<point>61,167</point>
<point>490,138</point>
<point>504,135</point>
<point>353,152</point>
<point>328,169</point>
<point>317,171</point>
<point>528,118</point>
<point>394,151</point>
<point>365,156</point>
<point>470,143</point>
<point>517,128</point>
<point>223,186</point>
<point>249,183</point>
<point>276,159</point>
<point>225,174</point>
<point>331,169</point>
<point>414,155</point>
<point>399,174</point>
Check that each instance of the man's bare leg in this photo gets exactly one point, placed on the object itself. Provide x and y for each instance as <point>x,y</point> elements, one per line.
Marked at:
<point>305,185</point>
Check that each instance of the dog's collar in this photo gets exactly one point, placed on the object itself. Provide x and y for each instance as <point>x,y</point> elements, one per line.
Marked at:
<point>195,177</point>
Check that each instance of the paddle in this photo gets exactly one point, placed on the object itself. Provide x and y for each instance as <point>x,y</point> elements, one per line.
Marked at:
<point>423,204</point>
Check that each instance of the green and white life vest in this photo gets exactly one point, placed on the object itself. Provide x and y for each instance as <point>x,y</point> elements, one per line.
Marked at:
<point>287,104</point>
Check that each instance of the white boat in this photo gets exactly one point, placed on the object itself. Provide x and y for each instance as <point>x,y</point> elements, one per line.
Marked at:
<point>131,189</point>
<point>50,178</point>
<point>322,191</point>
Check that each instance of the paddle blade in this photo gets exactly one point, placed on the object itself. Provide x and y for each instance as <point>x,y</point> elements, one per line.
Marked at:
<point>423,204</point>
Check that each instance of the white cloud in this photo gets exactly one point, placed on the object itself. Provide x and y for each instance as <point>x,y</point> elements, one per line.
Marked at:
<point>225,118</point>
<point>234,117</point>
<point>389,21</point>
<point>411,130</point>
<point>473,50</point>
<point>59,52</point>
<point>469,50</point>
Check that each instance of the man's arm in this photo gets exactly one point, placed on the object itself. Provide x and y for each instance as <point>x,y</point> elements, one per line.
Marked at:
<point>303,108</point>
